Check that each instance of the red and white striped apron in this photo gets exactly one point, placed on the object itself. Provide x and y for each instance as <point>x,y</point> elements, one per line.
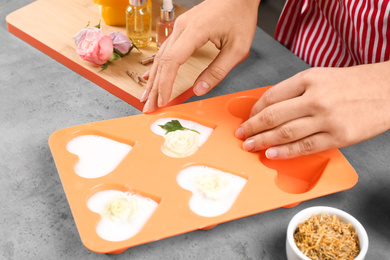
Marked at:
<point>336,33</point>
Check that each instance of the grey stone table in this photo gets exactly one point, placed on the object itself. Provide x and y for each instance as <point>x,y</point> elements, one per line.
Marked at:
<point>39,96</point>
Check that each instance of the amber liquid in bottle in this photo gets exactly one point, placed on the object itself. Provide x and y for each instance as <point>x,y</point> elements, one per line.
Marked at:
<point>139,23</point>
<point>164,29</point>
<point>164,25</point>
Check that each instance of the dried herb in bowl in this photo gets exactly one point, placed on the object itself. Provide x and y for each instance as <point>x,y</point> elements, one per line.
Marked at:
<point>325,237</point>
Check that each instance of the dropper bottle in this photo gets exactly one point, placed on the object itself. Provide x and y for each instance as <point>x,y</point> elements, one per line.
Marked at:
<point>165,22</point>
<point>139,22</point>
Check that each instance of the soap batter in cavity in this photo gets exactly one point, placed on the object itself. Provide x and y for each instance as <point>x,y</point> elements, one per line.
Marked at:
<point>181,142</point>
<point>123,213</point>
<point>214,191</point>
<point>98,155</point>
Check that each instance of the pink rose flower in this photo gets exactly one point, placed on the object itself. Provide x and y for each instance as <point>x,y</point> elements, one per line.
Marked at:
<point>93,45</point>
<point>120,42</point>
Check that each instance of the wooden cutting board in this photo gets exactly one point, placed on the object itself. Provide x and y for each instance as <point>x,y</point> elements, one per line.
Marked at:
<point>49,25</point>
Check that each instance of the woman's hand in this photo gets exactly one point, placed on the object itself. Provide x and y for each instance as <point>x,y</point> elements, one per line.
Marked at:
<point>229,24</point>
<point>318,109</point>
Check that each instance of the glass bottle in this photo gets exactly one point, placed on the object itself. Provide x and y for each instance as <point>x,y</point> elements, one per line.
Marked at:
<point>164,23</point>
<point>150,5</point>
<point>139,22</point>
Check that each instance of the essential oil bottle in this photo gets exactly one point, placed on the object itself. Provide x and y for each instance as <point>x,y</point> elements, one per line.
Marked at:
<point>139,22</point>
<point>165,22</point>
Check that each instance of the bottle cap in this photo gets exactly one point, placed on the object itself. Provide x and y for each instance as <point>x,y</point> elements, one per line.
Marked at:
<point>167,4</point>
<point>137,2</point>
<point>167,15</point>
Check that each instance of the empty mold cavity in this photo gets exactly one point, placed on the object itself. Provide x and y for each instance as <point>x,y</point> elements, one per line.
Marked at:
<point>98,155</point>
<point>241,106</point>
<point>298,175</point>
<point>123,212</point>
<point>213,191</point>
<point>181,141</point>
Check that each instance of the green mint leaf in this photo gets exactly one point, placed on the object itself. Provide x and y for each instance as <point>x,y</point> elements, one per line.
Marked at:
<point>171,126</point>
<point>174,125</point>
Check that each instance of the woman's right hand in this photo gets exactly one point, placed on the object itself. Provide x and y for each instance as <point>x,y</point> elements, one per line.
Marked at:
<point>319,109</point>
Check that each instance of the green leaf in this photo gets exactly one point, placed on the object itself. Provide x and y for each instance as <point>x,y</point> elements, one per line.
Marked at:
<point>98,25</point>
<point>114,57</point>
<point>174,125</point>
<point>119,53</point>
<point>104,66</point>
<point>133,45</point>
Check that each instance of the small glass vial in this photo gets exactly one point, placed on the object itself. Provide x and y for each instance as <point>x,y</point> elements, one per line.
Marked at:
<point>164,23</point>
<point>139,22</point>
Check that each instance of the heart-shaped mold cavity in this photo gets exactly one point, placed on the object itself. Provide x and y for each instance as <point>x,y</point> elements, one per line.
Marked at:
<point>183,137</point>
<point>241,106</point>
<point>297,175</point>
<point>213,191</point>
<point>123,212</point>
<point>98,155</point>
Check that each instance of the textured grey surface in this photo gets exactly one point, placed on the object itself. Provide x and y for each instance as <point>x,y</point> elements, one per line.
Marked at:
<point>39,96</point>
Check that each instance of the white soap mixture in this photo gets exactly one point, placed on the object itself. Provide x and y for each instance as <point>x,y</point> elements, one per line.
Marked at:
<point>98,155</point>
<point>182,143</point>
<point>214,191</point>
<point>116,227</point>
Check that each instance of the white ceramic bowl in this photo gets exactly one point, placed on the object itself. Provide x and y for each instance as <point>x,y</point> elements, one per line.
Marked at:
<point>293,253</point>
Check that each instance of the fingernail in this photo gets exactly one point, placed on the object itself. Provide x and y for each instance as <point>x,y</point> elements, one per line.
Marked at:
<point>240,133</point>
<point>271,153</point>
<point>143,96</point>
<point>146,107</point>
<point>160,102</point>
<point>201,88</point>
<point>249,145</point>
<point>146,75</point>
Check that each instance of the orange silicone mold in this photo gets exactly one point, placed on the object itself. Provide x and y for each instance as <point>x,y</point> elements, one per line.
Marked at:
<point>147,171</point>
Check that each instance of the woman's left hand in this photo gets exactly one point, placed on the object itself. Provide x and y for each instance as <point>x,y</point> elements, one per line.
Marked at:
<point>318,109</point>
